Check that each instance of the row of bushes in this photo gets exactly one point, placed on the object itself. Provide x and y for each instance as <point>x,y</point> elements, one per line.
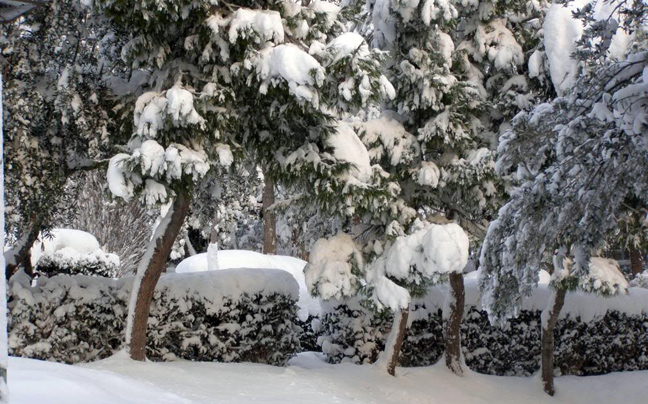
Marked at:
<point>229,316</point>
<point>594,335</point>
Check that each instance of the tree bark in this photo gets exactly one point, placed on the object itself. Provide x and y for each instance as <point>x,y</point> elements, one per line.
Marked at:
<point>21,254</point>
<point>157,255</point>
<point>636,261</point>
<point>269,219</point>
<point>548,327</point>
<point>395,341</point>
<point>453,325</point>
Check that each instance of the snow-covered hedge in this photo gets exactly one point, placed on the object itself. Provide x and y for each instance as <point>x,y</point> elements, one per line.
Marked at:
<point>308,307</point>
<point>231,316</point>
<point>594,334</point>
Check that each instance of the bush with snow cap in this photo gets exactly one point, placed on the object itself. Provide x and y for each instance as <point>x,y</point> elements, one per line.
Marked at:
<point>71,252</point>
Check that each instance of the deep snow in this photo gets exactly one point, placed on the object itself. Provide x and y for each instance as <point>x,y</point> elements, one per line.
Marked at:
<point>307,379</point>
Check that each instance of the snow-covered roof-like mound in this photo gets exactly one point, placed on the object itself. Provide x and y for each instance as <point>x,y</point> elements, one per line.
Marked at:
<point>236,259</point>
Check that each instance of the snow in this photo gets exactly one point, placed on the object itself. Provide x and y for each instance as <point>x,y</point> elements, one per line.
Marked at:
<point>348,147</point>
<point>329,9</point>
<point>348,44</point>
<point>229,284</point>
<point>431,251</point>
<point>74,241</point>
<point>307,379</point>
<point>39,382</point>
<point>231,259</point>
<point>604,277</point>
<point>390,295</point>
<point>561,31</point>
<point>386,136</point>
<point>118,183</point>
<point>266,23</point>
<point>429,174</point>
<point>330,273</point>
<point>288,62</point>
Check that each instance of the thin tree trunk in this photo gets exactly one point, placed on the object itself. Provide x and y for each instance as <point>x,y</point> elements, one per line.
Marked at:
<point>21,254</point>
<point>389,357</point>
<point>549,319</point>
<point>636,261</point>
<point>269,219</point>
<point>148,274</point>
<point>453,325</point>
<point>212,250</point>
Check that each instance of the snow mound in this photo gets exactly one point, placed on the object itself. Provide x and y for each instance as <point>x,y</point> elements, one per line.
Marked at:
<point>75,242</point>
<point>34,381</point>
<point>348,147</point>
<point>290,64</point>
<point>234,259</point>
<point>266,23</point>
<point>330,273</point>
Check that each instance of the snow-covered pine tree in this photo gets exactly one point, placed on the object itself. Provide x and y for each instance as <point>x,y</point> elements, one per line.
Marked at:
<point>577,158</point>
<point>438,118</point>
<point>246,74</point>
<point>57,113</point>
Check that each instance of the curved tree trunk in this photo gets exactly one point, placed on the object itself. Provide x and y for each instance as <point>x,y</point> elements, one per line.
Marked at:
<point>148,274</point>
<point>636,261</point>
<point>269,219</point>
<point>389,357</point>
<point>453,325</point>
<point>549,320</point>
<point>21,253</point>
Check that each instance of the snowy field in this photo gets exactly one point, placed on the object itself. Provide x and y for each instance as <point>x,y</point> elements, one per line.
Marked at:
<point>307,379</point>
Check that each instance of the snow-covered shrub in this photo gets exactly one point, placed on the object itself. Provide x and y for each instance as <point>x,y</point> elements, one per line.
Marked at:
<point>66,318</point>
<point>594,335</point>
<point>308,307</point>
<point>231,316</point>
<point>72,252</point>
<point>236,315</point>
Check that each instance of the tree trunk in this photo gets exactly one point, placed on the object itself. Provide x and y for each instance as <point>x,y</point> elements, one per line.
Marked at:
<point>389,358</point>
<point>549,319</point>
<point>269,220</point>
<point>636,261</point>
<point>148,274</point>
<point>453,325</point>
<point>21,253</point>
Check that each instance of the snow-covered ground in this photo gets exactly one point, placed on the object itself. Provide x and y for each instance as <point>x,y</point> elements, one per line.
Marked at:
<point>306,380</point>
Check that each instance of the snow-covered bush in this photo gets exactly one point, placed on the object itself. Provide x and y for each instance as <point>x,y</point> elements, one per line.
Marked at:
<point>230,316</point>
<point>308,307</point>
<point>71,252</point>
<point>594,335</point>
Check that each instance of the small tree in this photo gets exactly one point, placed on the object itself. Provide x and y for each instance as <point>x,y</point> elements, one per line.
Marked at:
<point>577,159</point>
<point>57,109</point>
